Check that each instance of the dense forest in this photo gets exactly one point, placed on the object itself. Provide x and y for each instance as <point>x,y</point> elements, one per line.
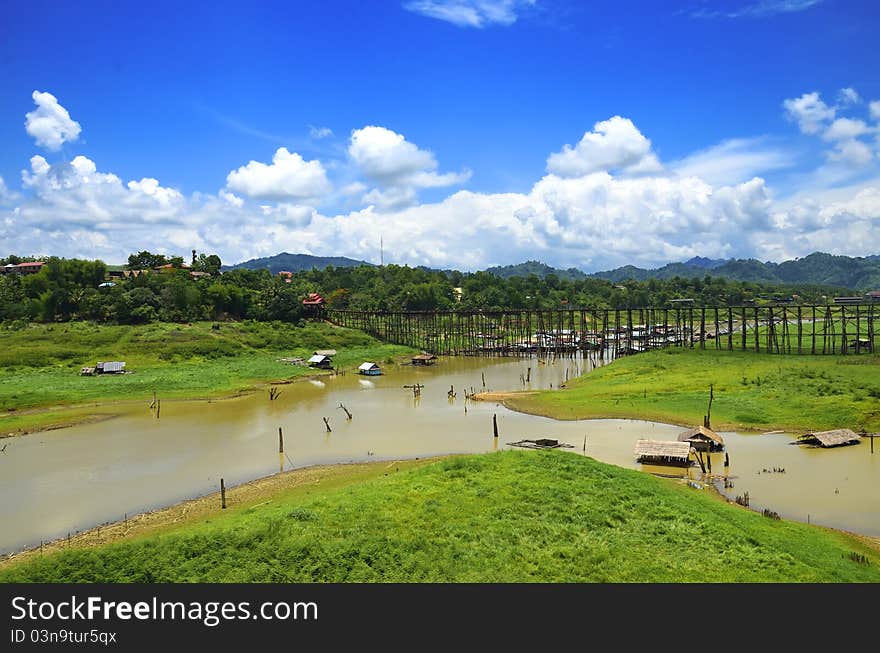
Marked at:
<point>171,290</point>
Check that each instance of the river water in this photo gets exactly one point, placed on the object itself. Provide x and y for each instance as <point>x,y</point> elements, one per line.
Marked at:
<point>71,479</point>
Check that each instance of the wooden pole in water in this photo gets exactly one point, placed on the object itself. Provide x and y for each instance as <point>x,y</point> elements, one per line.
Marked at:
<point>158,404</point>
<point>327,424</point>
<point>280,441</point>
<point>585,444</point>
<point>222,494</point>
<point>483,374</point>
<point>495,425</point>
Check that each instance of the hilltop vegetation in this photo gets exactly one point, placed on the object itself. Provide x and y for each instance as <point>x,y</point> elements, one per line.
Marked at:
<point>72,289</point>
<point>540,516</point>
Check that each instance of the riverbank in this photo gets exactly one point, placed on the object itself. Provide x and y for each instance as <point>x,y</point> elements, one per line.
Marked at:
<point>751,392</point>
<point>43,389</point>
<point>539,516</point>
<point>289,485</point>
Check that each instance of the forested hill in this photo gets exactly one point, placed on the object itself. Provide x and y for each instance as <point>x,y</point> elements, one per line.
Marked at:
<point>296,263</point>
<point>817,268</point>
<point>540,270</point>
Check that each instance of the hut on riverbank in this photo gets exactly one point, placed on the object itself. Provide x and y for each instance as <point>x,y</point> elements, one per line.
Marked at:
<point>424,359</point>
<point>702,439</point>
<point>321,361</point>
<point>827,439</point>
<point>663,452</point>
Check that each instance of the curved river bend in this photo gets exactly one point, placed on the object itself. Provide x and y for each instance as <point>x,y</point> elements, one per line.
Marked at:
<point>71,479</point>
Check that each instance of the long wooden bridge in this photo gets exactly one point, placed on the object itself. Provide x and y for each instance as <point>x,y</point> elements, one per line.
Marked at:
<point>782,329</point>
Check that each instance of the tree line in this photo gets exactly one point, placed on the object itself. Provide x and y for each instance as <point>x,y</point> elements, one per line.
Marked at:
<point>77,289</point>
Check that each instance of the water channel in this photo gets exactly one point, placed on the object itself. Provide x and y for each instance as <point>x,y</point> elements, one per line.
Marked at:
<point>71,479</point>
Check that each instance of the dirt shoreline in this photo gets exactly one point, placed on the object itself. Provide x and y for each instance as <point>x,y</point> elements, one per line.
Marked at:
<point>238,497</point>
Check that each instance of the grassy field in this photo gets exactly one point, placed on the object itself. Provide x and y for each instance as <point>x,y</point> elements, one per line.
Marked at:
<point>40,364</point>
<point>751,391</point>
<point>540,516</point>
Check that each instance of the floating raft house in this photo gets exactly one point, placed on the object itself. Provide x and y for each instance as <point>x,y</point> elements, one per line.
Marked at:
<point>826,439</point>
<point>424,359</point>
<point>702,438</point>
<point>369,369</point>
<point>663,452</point>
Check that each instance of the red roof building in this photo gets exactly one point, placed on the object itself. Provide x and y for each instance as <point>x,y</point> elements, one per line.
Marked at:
<point>314,299</point>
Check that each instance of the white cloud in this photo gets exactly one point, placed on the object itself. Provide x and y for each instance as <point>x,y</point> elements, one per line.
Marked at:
<point>287,177</point>
<point>50,124</point>
<point>852,153</point>
<point>761,9</point>
<point>733,161</point>
<point>708,205</point>
<point>844,129</point>
<point>614,144</point>
<point>470,13</point>
<point>398,166</point>
<point>875,109</point>
<point>318,133</point>
<point>6,195</point>
<point>232,198</point>
<point>848,96</point>
<point>809,111</point>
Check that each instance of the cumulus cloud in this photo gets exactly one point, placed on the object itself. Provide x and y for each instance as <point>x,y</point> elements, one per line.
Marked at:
<point>400,168</point>
<point>845,129</point>
<point>809,111</point>
<point>601,215</point>
<point>852,153</point>
<point>614,144</point>
<point>815,117</point>
<point>288,177</point>
<point>470,13</point>
<point>50,124</point>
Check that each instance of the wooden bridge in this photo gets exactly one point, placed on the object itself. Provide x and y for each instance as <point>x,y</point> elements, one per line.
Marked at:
<point>779,329</point>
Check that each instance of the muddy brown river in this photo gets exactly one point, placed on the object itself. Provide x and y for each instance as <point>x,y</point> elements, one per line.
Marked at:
<point>72,479</point>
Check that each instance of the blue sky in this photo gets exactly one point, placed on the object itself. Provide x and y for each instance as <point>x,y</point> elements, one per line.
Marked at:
<point>465,133</point>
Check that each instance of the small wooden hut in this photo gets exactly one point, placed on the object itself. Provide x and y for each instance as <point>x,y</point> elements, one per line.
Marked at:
<point>369,369</point>
<point>663,452</point>
<point>110,367</point>
<point>424,359</point>
<point>702,439</point>
<point>826,439</point>
<point>321,361</point>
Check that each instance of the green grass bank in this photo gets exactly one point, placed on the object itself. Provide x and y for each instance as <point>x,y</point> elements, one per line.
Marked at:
<point>751,391</point>
<point>539,516</point>
<point>40,364</point>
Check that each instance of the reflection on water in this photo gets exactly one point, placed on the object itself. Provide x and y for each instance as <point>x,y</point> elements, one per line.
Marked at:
<point>71,479</point>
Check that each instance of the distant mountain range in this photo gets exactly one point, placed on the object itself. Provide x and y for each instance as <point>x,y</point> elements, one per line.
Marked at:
<point>857,273</point>
<point>296,263</point>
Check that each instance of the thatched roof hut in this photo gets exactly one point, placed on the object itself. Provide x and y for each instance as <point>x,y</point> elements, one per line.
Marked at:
<point>663,452</point>
<point>424,359</point>
<point>702,438</point>
<point>835,438</point>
